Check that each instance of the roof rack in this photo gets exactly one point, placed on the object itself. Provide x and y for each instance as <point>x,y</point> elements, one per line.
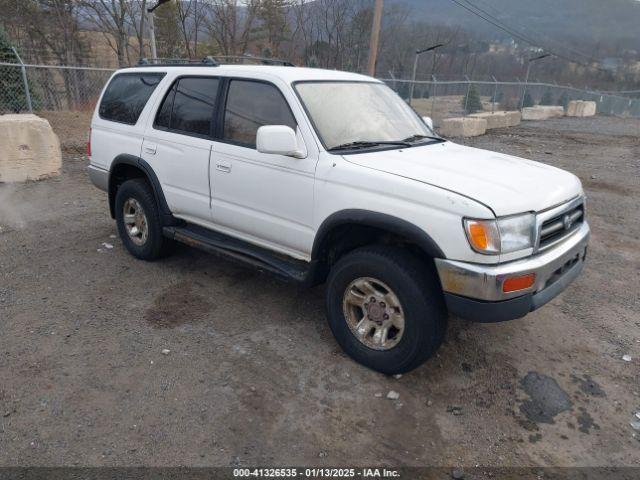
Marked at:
<point>205,62</point>
<point>214,61</point>
<point>251,58</point>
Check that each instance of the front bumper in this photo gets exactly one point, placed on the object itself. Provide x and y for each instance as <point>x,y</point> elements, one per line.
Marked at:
<point>474,291</point>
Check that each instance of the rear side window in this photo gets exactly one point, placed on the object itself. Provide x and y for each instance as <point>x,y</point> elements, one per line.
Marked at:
<point>250,105</point>
<point>190,106</point>
<point>126,96</point>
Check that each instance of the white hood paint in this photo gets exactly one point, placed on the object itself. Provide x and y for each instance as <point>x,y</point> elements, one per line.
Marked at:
<point>504,183</point>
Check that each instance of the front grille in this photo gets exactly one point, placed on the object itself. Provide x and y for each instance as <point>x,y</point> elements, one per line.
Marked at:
<point>561,225</point>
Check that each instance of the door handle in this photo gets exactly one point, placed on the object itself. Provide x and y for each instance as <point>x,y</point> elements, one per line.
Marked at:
<point>150,149</point>
<point>223,167</point>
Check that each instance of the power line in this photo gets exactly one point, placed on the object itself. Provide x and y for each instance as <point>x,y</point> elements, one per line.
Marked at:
<point>497,23</point>
<point>565,47</point>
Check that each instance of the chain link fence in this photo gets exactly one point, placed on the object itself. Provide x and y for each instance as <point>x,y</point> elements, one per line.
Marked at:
<point>65,96</point>
<point>40,88</point>
<point>25,87</point>
<point>441,99</point>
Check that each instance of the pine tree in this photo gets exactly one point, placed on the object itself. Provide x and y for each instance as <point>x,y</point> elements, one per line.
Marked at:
<point>274,27</point>
<point>547,98</point>
<point>564,100</point>
<point>472,101</point>
<point>528,101</point>
<point>12,95</point>
<point>170,41</point>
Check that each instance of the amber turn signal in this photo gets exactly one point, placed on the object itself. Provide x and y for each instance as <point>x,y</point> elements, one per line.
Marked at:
<point>522,282</point>
<point>478,236</point>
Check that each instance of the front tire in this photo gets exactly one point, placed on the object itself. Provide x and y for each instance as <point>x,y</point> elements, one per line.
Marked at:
<point>385,308</point>
<point>139,222</point>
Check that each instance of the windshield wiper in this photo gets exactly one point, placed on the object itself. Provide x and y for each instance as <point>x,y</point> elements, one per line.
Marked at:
<point>415,138</point>
<point>368,144</point>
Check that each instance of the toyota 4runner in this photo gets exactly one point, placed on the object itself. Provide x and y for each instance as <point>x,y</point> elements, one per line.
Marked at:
<point>329,177</point>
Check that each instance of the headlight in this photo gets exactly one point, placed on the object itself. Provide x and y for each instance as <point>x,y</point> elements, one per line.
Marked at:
<point>503,235</point>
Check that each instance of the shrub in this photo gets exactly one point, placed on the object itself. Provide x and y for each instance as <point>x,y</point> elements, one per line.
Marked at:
<point>547,98</point>
<point>564,100</point>
<point>472,101</point>
<point>528,101</point>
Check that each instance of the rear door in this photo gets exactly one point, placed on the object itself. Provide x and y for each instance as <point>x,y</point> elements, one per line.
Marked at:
<point>177,144</point>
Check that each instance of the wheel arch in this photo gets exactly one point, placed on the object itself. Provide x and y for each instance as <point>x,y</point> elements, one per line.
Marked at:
<point>125,167</point>
<point>346,230</point>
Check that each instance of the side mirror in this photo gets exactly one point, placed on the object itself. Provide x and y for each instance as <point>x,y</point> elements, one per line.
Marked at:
<point>428,121</point>
<point>278,140</point>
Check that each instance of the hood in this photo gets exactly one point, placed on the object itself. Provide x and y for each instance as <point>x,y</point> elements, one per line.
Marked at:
<point>504,183</point>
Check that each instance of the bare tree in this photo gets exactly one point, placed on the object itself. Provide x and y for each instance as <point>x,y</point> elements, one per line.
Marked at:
<point>138,14</point>
<point>113,19</point>
<point>191,15</point>
<point>230,23</point>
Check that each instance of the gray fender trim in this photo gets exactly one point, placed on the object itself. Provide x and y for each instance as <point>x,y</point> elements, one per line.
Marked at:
<point>377,220</point>
<point>151,175</point>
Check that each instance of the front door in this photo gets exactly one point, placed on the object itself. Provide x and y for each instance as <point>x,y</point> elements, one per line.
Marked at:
<point>264,198</point>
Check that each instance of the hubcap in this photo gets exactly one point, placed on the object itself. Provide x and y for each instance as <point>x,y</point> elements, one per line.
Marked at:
<point>373,312</point>
<point>135,221</point>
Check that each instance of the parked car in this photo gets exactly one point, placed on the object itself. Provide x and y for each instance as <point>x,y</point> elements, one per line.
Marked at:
<point>329,177</point>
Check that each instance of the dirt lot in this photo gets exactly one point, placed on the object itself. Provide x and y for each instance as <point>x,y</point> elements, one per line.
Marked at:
<point>254,376</point>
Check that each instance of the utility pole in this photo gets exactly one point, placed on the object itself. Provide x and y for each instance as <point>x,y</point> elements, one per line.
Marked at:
<point>143,15</point>
<point>152,36</point>
<point>152,30</point>
<point>375,37</point>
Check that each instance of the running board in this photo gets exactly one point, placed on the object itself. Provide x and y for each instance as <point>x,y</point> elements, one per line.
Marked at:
<point>217,243</point>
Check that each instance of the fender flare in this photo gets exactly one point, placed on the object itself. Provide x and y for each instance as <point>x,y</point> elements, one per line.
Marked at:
<point>378,220</point>
<point>127,159</point>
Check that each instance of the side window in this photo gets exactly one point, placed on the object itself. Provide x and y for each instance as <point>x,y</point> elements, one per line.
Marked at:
<point>127,94</point>
<point>251,105</point>
<point>189,106</point>
<point>163,119</point>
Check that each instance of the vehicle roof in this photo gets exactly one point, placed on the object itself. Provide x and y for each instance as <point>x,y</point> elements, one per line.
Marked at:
<point>288,74</point>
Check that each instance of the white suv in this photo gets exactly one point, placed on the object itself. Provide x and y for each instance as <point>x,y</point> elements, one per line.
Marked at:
<point>326,176</point>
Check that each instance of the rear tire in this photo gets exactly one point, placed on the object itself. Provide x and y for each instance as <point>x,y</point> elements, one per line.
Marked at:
<point>139,221</point>
<point>386,309</point>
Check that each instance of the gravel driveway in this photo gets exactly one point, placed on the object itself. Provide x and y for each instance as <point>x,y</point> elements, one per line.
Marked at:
<point>253,375</point>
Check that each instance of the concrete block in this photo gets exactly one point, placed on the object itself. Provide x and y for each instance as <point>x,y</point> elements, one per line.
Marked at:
<point>500,119</point>
<point>513,118</point>
<point>542,112</point>
<point>586,109</point>
<point>572,108</point>
<point>494,120</point>
<point>590,109</point>
<point>463,127</point>
<point>29,150</point>
<point>581,108</point>
<point>553,110</point>
<point>534,113</point>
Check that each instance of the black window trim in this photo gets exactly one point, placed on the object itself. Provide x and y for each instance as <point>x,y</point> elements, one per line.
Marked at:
<point>220,120</point>
<point>214,119</point>
<point>217,124</point>
<point>161,76</point>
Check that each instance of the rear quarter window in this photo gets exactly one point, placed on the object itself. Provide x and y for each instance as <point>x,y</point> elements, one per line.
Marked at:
<point>126,95</point>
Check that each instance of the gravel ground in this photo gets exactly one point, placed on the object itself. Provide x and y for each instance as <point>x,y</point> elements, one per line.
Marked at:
<point>254,377</point>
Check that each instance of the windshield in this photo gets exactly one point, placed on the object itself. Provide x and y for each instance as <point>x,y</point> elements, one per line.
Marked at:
<point>349,114</point>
